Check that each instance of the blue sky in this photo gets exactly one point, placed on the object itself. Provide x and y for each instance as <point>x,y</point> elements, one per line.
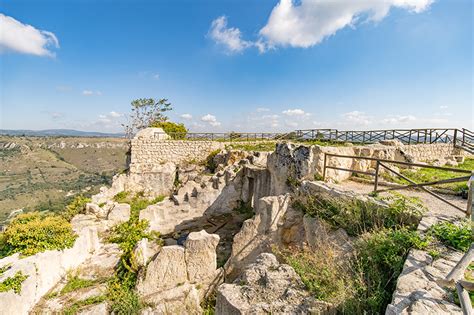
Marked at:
<point>247,65</point>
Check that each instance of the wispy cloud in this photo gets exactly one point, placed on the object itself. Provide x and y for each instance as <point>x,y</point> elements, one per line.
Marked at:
<point>211,120</point>
<point>26,39</point>
<point>90,92</point>
<point>229,37</point>
<point>186,116</point>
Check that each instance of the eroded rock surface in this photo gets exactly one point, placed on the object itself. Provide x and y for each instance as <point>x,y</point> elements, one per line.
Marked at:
<point>267,287</point>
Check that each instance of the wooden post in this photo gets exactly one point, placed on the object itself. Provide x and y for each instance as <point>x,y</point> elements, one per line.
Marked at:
<point>470,197</point>
<point>464,299</point>
<point>324,168</point>
<point>376,182</point>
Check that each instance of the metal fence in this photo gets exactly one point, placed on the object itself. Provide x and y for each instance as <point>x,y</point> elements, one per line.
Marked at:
<point>384,164</point>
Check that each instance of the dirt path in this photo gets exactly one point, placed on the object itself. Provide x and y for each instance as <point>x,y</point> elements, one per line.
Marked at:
<point>436,207</point>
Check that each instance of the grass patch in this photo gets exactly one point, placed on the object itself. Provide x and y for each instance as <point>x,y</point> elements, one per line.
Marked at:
<point>423,175</point>
<point>12,283</point>
<point>209,304</point>
<point>75,283</point>
<point>259,147</point>
<point>121,288</point>
<point>357,216</point>
<point>77,306</point>
<point>35,232</point>
<point>457,236</point>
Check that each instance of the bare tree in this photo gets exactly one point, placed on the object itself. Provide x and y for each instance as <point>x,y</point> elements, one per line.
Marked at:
<point>145,111</point>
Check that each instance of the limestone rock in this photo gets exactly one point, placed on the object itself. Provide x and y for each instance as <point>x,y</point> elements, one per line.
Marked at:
<point>120,212</point>
<point>145,250</point>
<point>182,299</point>
<point>392,143</point>
<point>200,255</point>
<point>97,309</point>
<point>267,287</point>
<point>92,208</point>
<point>164,272</point>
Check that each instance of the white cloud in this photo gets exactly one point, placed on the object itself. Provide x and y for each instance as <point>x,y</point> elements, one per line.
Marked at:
<point>358,118</point>
<point>115,114</point>
<point>187,116</point>
<point>229,37</point>
<point>443,107</point>
<point>399,119</point>
<point>308,22</point>
<point>295,112</point>
<point>24,38</point>
<point>262,109</point>
<point>90,92</point>
<point>211,120</point>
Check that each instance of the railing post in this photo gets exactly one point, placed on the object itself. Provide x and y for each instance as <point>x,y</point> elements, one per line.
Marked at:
<point>470,197</point>
<point>376,182</point>
<point>324,168</point>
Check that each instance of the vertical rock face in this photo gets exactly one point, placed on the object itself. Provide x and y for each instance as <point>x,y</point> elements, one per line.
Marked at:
<point>258,233</point>
<point>267,287</point>
<point>200,255</point>
<point>178,278</point>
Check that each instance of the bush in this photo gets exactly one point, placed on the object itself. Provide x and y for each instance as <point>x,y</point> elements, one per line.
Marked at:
<point>76,206</point>
<point>357,216</point>
<point>380,258</point>
<point>174,130</point>
<point>456,236</point>
<point>12,283</point>
<point>35,232</point>
<point>210,163</point>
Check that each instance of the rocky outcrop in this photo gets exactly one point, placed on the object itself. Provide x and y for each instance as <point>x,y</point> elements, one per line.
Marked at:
<point>44,270</point>
<point>417,291</point>
<point>178,278</point>
<point>267,287</point>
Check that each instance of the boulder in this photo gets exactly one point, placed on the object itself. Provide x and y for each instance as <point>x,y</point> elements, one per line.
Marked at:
<point>145,250</point>
<point>119,212</point>
<point>166,271</point>
<point>200,255</point>
<point>267,287</point>
<point>99,212</point>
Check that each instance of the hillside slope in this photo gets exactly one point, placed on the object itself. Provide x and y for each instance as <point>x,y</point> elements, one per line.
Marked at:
<point>38,173</point>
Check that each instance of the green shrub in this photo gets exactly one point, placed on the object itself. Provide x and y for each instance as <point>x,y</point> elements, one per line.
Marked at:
<point>35,232</point>
<point>380,258</point>
<point>12,283</point>
<point>457,236</point>
<point>357,216</point>
<point>74,283</point>
<point>123,297</point>
<point>210,163</point>
<point>122,197</point>
<point>76,206</point>
<point>174,130</point>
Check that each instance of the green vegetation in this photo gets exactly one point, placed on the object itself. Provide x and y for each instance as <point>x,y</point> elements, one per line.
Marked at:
<point>245,209</point>
<point>12,283</point>
<point>209,304</point>
<point>121,288</point>
<point>174,130</point>
<point>76,206</point>
<point>357,216</point>
<point>384,236</point>
<point>77,306</point>
<point>457,236</point>
<point>74,283</point>
<point>35,232</point>
<point>422,175</point>
<point>209,162</point>
<point>264,146</point>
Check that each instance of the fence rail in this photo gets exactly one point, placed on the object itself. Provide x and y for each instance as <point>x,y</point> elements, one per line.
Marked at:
<point>384,164</point>
<point>461,138</point>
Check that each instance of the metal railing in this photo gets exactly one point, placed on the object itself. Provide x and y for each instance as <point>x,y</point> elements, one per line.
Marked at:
<point>384,164</point>
<point>462,137</point>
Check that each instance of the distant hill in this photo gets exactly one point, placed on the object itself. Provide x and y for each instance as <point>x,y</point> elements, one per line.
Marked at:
<point>59,132</point>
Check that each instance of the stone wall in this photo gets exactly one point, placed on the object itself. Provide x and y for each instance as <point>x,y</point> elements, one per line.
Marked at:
<point>150,148</point>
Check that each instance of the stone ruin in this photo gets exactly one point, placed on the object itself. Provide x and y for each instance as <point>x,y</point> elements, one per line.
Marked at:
<point>195,219</point>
